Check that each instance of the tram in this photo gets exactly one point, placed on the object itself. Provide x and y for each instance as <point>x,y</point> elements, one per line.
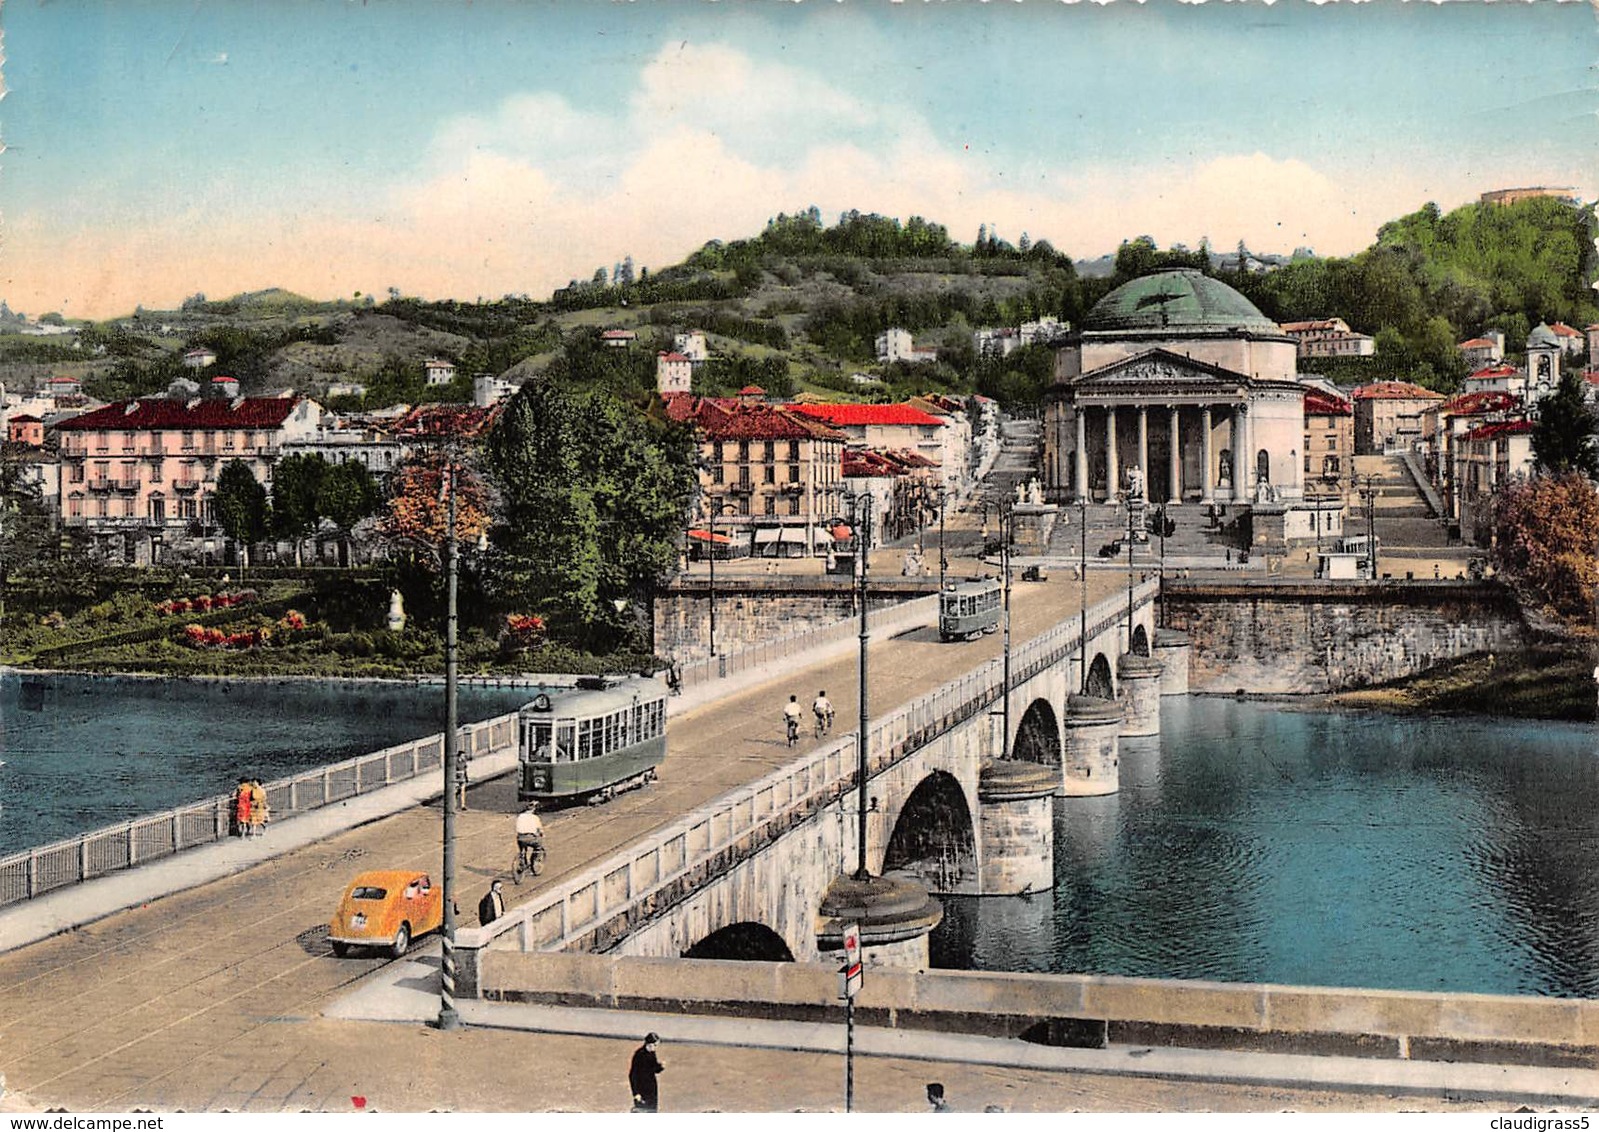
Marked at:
<point>968,609</point>
<point>606,736</point>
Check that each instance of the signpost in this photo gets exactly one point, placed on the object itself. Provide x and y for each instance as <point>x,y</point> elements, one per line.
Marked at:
<point>849,985</point>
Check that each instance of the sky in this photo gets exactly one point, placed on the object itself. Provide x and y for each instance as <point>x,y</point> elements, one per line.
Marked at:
<point>155,149</point>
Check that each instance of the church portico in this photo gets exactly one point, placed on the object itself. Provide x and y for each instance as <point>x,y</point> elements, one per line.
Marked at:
<point>1176,391</point>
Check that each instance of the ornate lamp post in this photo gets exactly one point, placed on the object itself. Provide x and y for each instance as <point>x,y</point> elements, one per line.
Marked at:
<point>716,509</point>
<point>449,1019</point>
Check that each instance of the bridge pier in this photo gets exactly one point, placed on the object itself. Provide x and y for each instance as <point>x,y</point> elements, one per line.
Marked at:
<point>1016,827</point>
<point>1172,649</point>
<point>1140,679</point>
<point>894,915</point>
<point>1089,763</point>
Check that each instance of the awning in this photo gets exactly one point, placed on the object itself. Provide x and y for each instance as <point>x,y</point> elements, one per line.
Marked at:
<point>707,536</point>
<point>843,533</point>
<point>766,536</point>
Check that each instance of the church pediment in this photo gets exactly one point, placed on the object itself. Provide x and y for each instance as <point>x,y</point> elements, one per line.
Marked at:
<point>1160,371</point>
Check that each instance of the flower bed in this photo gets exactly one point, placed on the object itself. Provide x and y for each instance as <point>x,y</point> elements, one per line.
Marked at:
<point>205,603</point>
<point>212,637</point>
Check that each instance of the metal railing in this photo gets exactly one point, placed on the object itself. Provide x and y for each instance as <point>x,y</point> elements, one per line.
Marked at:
<point>35,872</point>
<point>641,873</point>
<point>724,665</point>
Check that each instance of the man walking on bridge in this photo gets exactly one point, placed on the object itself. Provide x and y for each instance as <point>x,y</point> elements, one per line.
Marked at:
<point>642,1073</point>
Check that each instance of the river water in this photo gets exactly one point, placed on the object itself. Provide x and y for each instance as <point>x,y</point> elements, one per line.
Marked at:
<point>1255,844</point>
<point>80,752</point>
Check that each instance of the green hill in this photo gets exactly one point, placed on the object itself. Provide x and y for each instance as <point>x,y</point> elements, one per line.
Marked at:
<point>796,308</point>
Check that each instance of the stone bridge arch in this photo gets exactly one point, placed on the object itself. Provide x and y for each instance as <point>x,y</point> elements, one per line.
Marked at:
<point>934,837</point>
<point>1038,735</point>
<point>1101,680</point>
<point>744,941</point>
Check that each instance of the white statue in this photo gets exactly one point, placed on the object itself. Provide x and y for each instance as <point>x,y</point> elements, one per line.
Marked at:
<point>396,611</point>
<point>1035,493</point>
<point>1135,480</point>
<point>1021,492</point>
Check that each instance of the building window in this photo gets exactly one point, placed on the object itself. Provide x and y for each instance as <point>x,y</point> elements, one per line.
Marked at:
<point>716,452</point>
<point>771,504</point>
<point>718,474</point>
<point>743,451</point>
<point>793,450</point>
<point>769,451</point>
<point>188,441</point>
<point>158,509</point>
<point>155,470</point>
<point>101,507</point>
<point>794,506</point>
<point>76,476</point>
<point>127,442</point>
<point>793,473</point>
<point>770,475</point>
<point>102,441</point>
<point>75,506</point>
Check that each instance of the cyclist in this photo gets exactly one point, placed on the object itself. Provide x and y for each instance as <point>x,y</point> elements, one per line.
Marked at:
<point>530,836</point>
<point>791,719</point>
<point>823,708</point>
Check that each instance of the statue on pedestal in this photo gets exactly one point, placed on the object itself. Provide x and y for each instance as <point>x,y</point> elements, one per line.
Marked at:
<point>1135,481</point>
<point>1035,494</point>
<point>396,611</point>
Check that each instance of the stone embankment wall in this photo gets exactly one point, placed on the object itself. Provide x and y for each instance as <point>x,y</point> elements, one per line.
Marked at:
<point>1290,637</point>
<point>1075,1010</point>
<point>750,610</point>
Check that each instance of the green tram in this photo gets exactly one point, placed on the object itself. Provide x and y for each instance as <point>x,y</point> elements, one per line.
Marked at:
<point>606,736</point>
<point>966,610</point>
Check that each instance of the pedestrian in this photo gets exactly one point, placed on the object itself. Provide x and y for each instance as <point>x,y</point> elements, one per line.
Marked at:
<point>492,906</point>
<point>241,809</point>
<point>460,781</point>
<point>935,1097</point>
<point>642,1073</point>
<point>258,808</point>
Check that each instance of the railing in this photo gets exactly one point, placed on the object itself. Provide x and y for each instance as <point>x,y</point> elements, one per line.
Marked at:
<point>726,665</point>
<point>641,873</point>
<point>35,872</point>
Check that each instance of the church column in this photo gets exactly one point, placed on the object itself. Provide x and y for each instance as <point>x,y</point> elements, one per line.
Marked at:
<point>1143,452</point>
<point>1174,488</point>
<point>1082,453</point>
<point>1208,476</point>
<point>1112,472</point>
<point>1240,447</point>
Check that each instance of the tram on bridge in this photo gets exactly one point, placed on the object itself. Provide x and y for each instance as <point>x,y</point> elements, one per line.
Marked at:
<point>606,736</point>
<point>967,610</point>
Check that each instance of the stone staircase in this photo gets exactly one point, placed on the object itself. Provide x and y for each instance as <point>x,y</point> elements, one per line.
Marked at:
<point>1404,517</point>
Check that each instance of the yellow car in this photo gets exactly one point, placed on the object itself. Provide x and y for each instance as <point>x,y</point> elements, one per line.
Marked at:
<point>387,908</point>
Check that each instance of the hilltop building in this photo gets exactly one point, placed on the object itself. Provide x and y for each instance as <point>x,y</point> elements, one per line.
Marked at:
<point>439,371</point>
<point>1516,196</point>
<point>1329,338</point>
<point>1487,350</point>
<point>691,345</point>
<point>199,358</point>
<point>674,373</point>
<point>1329,440</point>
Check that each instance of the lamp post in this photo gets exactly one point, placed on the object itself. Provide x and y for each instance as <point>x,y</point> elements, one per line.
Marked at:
<point>861,509</point>
<point>1082,578</point>
<point>716,509</point>
<point>449,1019</point>
<point>943,563</point>
<point>1007,527</point>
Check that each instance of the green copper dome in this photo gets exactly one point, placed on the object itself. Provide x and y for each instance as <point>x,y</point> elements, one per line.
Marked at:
<point>1179,299</point>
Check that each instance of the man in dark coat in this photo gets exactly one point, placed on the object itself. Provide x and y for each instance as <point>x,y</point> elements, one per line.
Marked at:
<point>492,906</point>
<point>642,1073</point>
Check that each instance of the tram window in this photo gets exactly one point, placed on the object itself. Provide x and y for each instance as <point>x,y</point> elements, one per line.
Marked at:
<point>585,738</point>
<point>563,743</point>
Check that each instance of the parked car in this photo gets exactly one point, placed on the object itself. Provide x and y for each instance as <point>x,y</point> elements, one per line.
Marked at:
<point>386,908</point>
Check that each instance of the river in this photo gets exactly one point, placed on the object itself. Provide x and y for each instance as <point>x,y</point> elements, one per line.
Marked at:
<point>80,752</point>
<point>1250,843</point>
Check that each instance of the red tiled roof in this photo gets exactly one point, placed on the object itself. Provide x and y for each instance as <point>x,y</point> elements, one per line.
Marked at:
<point>1477,344</point>
<point>24,418</point>
<point>1495,371</point>
<point>64,380</point>
<point>447,420</point>
<point>208,412</point>
<point>1395,391</point>
<point>726,419</point>
<point>671,356</point>
<point>859,463</point>
<point>845,414</point>
<point>222,377</point>
<point>1498,429</point>
<point>1563,330</point>
<point>1320,404</point>
<point>1309,324</point>
<point>618,334</point>
<point>752,391</point>
<point>1476,404</point>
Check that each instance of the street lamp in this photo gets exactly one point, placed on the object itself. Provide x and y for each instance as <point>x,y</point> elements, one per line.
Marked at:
<point>716,509</point>
<point>1082,576</point>
<point>943,563</point>
<point>861,512</point>
<point>1007,530</point>
<point>449,1019</point>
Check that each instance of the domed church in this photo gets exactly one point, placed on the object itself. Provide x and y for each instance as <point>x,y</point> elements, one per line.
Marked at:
<point>1176,389</point>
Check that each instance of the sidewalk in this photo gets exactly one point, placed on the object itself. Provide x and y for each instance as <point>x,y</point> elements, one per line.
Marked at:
<point>408,993</point>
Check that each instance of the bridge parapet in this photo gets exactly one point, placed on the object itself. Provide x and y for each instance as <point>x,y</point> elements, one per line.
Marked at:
<point>595,910</point>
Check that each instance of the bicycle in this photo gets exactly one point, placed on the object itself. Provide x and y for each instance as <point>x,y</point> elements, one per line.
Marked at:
<point>529,859</point>
<point>824,723</point>
<point>793,729</point>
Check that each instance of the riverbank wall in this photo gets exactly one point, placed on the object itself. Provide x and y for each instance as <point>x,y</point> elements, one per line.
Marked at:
<point>1086,1011</point>
<point>1310,637</point>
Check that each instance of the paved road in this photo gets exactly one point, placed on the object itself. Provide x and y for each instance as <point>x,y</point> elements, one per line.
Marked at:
<point>211,998</point>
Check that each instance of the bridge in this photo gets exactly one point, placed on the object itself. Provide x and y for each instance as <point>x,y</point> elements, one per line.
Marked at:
<point>959,785</point>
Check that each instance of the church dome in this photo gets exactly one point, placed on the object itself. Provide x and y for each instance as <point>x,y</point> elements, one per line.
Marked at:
<point>1176,300</point>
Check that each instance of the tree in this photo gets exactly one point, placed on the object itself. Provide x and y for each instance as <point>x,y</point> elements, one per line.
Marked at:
<point>1545,532</point>
<point>593,495</point>
<point>1562,440</point>
<point>295,483</point>
<point>240,506</point>
<point>26,527</point>
<point>348,494</point>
